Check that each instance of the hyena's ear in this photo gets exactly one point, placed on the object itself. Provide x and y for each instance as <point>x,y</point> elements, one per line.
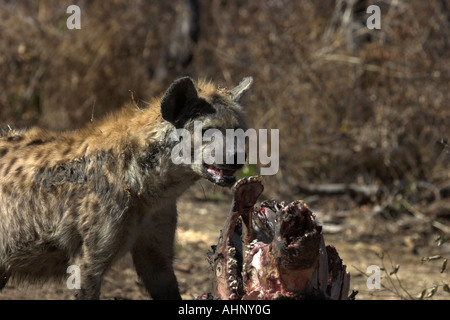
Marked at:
<point>177,98</point>
<point>238,92</point>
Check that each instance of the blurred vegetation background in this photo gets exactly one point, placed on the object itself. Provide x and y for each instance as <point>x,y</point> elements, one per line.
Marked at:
<point>352,105</point>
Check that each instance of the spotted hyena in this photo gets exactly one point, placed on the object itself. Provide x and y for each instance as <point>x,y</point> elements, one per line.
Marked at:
<point>87,197</point>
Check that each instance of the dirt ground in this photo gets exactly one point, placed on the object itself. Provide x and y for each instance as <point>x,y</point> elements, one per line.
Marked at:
<point>202,213</point>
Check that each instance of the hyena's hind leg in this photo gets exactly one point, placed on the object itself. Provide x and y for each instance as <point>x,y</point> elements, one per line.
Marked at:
<point>153,256</point>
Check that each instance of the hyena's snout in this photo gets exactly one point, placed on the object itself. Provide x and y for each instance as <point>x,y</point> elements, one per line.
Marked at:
<point>220,168</point>
<point>220,174</point>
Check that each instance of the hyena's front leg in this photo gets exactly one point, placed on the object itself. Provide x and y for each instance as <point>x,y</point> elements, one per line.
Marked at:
<point>153,255</point>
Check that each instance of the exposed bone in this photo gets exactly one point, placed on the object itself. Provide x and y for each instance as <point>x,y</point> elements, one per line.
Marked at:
<point>283,254</point>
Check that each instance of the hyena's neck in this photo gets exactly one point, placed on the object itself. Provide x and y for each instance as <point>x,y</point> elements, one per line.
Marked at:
<point>138,148</point>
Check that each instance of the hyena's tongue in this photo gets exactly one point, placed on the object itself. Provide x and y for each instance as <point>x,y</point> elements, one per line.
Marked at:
<point>219,173</point>
<point>214,172</point>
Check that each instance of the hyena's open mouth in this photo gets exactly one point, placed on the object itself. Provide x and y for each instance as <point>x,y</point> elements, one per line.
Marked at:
<point>221,176</point>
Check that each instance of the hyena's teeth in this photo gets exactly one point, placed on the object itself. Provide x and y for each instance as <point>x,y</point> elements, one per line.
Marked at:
<point>233,284</point>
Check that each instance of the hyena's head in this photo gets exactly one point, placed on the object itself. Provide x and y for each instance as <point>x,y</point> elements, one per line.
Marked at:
<point>202,116</point>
